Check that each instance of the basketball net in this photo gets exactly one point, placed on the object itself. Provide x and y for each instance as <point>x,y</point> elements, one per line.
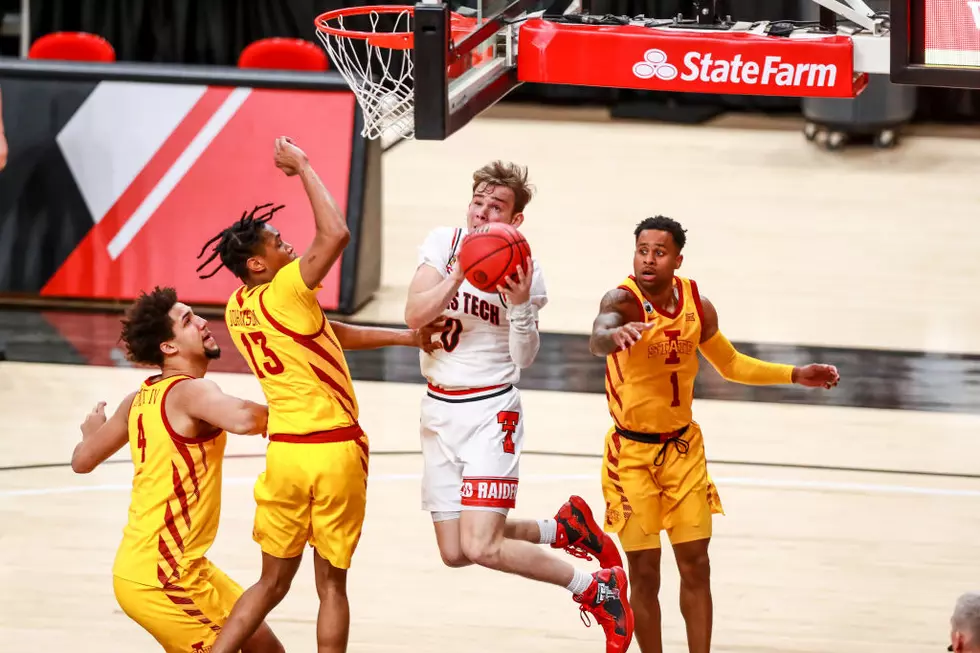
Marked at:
<point>378,68</point>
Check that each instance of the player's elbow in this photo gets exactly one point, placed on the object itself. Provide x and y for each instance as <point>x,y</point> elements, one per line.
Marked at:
<point>338,237</point>
<point>727,372</point>
<point>414,317</point>
<point>523,354</point>
<point>596,348</point>
<point>81,465</point>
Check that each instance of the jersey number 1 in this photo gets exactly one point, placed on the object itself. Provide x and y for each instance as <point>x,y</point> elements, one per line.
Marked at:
<point>272,364</point>
<point>675,385</point>
<point>141,438</point>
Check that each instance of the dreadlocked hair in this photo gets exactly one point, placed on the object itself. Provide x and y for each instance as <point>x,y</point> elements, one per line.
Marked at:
<point>237,243</point>
<point>147,325</point>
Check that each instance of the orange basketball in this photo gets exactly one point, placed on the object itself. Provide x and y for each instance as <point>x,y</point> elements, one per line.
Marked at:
<point>491,253</point>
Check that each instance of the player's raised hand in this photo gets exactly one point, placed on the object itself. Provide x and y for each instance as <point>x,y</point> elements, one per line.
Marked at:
<point>817,376</point>
<point>629,334</point>
<point>289,158</point>
<point>94,420</point>
<point>518,291</point>
<point>423,336</point>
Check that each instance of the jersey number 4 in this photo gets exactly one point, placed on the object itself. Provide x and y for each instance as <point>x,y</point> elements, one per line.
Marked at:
<point>508,420</point>
<point>271,364</point>
<point>141,438</point>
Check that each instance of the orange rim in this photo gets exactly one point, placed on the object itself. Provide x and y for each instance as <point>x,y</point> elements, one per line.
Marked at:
<point>392,40</point>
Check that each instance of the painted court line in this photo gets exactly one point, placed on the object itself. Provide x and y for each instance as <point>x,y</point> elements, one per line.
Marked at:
<point>827,486</point>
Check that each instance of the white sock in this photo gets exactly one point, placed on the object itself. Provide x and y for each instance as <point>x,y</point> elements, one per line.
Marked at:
<point>549,531</point>
<point>580,582</point>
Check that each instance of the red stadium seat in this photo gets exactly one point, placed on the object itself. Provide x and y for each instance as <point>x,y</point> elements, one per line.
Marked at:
<point>72,46</point>
<point>284,54</point>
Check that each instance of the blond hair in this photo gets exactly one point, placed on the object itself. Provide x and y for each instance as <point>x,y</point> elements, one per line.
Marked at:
<point>509,175</point>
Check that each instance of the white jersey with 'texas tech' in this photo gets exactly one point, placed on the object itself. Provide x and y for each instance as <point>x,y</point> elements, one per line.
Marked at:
<point>476,351</point>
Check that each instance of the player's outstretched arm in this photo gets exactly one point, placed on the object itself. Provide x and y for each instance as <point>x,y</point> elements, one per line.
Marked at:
<point>735,366</point>
<point>202,399</point>
<point>331,235</point>
<point>429,294</point>
<point>101,437</point>
<point>618,325</point>
<point>354,337</point>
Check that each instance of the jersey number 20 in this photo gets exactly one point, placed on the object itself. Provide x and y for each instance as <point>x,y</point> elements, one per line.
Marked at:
<point>272,364</point>
<point>450,334</point>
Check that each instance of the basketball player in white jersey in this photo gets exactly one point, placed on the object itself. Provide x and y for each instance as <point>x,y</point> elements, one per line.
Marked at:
<point>472,425</point>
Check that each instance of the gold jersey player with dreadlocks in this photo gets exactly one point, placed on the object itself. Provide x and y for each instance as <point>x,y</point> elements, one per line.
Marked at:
<point>314,486</point>
<point>654,475</point>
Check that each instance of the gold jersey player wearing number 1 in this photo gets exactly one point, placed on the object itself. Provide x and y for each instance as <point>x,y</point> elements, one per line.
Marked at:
<point>176,426</point>
<point>654,474</point>
<point>314,487</point>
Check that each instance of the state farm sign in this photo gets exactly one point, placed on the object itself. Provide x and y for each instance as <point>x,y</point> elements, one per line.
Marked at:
<point>633,56</point>
<point>703,67</point>
<point>952,32</point>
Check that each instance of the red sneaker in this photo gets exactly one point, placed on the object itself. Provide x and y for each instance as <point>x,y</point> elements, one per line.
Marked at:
<point>606,600</point>
<point>580,535</point>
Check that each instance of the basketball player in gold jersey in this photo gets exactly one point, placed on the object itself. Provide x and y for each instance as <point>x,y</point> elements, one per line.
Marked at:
<point>175,425</point>
<point>654,474</point>
<point>314,487</point>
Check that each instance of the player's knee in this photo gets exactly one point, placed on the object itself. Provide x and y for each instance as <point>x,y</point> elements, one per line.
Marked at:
<point>479,551</point>
<point>694,569</point>
<point>644,571</point>
<point>455,558</point>
<point>645,579</point>
<point>451,551</point>
<point>263,641</point>
<point>275,588</point>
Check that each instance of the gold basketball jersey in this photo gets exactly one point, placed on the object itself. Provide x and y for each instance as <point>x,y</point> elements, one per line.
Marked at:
<point>650,386</point>
<point>176,497</point>
<point>281,332</point>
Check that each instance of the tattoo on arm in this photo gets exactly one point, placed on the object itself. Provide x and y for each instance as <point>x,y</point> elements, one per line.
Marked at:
<point>615,310</point>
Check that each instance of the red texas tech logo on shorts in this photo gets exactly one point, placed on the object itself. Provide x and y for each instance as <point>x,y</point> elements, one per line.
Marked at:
<point>508,424</point>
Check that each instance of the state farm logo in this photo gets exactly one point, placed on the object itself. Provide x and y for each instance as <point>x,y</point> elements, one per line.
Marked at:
<point>655,64</point>
<point>705,68</point>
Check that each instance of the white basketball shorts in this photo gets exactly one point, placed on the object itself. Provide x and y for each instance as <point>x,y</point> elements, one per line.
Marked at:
<point>471,445</point>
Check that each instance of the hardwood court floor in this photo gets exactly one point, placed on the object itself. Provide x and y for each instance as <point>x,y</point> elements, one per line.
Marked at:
<point>807,559</point>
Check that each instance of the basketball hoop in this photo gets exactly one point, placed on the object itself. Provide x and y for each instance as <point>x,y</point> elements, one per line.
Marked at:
<point>371,47</point>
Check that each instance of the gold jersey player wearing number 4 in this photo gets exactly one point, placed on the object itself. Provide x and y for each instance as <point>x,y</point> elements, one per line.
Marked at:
<point>176,426</point>
<point>314,487</point>
<point>654,473</point>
